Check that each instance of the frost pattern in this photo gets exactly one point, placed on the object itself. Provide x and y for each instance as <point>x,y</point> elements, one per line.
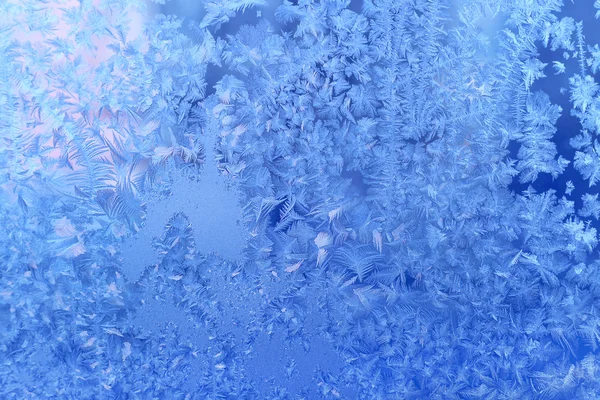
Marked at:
<point>382,230</point>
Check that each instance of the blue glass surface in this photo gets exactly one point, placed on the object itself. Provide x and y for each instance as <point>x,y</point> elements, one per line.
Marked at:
<point>299,199</point>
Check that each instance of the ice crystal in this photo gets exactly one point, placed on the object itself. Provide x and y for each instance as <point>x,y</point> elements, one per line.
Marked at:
<point>372,199</point>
